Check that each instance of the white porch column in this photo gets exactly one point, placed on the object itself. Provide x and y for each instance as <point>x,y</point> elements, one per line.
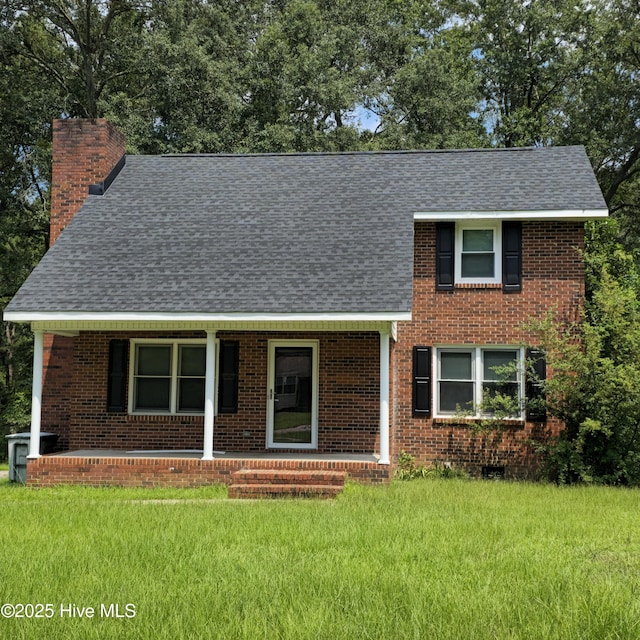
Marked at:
<point>384,398</point>
<point>36,394</point>
<point>209,396</point>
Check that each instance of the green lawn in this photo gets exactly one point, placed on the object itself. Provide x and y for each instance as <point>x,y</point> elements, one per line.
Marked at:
<point>441,559</point>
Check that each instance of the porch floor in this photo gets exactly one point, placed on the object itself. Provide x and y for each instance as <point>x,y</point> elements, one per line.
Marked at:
<point>223,455</point>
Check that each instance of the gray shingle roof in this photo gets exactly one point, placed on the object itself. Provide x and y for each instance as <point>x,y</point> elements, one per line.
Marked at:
<point>292,233</point>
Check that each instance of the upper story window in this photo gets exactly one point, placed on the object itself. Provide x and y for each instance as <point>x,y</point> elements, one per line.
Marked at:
<point>479,253</point>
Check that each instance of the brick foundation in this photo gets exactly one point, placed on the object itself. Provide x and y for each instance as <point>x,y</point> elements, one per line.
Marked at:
<point>51,470</point>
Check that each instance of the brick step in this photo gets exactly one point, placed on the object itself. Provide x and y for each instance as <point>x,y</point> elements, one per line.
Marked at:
<point>291,483</point>
<point>284,490</point>
<point>289,476</point>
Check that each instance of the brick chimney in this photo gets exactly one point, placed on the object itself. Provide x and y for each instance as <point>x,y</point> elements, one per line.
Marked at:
<point>85,153</point>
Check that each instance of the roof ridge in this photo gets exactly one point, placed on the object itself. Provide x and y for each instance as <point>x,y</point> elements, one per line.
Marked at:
<point>358,153</point>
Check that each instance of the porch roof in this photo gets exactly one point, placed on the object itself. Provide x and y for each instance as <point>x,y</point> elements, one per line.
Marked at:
<point>317,236</point>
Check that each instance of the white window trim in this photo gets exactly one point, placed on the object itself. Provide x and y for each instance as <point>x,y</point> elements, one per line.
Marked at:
<point>477,377</point>
<point>175,344</point>
<point>496,227</point>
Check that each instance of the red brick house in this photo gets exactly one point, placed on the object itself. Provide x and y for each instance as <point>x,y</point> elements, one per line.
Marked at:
<point>198,311</point>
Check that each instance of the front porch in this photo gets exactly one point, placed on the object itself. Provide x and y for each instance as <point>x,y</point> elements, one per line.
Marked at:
<point>186,468</point>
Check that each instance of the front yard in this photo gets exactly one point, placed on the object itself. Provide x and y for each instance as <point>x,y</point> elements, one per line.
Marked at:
<point>424,559</point>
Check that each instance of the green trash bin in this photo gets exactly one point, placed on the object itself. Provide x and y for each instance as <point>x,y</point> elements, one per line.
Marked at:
<point>19,450</point>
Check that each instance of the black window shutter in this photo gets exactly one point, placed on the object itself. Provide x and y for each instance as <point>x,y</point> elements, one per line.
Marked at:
<point>228,376</point>
<point>422,381</point>
<point>536,375</point>
<point>511,256</point>
<point>445,255</point>
<point>117,383</point>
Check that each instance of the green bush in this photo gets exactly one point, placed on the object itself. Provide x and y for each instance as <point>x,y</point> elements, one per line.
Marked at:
<point>595,367</point>
<point>406,469</point>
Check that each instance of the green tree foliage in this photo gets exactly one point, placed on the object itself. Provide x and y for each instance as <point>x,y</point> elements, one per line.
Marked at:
<point>78,45</point>
<point>595,368</point>
<point>526,55</point>
<point>24,175</point>
<point>603,110</point>
<point>191,64</point>
<point>428,89</point>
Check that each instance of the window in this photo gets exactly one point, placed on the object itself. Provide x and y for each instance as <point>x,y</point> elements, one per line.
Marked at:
<point>168,377</point>
<point>468,378</point>
<point>478,253</point>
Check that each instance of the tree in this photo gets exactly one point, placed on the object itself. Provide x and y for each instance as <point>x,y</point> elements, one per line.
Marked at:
<point>428,90</point>
<point>526,54</point>
<point>308,72</point>
<point>24,175</point>
<point>595,371</point>
<point>75,43</point>
<point>603,110</point>
<point>191,76</point>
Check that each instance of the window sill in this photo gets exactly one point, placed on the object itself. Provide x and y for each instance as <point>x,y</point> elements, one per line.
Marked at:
<point>477,285</point>
<point>162,416</point>
<point>516,423</point>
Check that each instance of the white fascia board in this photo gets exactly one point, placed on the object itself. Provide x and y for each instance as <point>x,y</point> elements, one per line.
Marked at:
<point>577,215</point>
<point>81,316</point>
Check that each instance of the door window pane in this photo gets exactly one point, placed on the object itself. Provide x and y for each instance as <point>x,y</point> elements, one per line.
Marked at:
<point>293,395</point>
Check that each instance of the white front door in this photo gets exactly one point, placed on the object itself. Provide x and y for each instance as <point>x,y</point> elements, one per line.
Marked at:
<point>292,406</point>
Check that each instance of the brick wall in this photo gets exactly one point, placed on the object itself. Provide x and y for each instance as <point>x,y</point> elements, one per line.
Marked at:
<point>57,387</point>
<point>553,278</point>
<point>348,413</point>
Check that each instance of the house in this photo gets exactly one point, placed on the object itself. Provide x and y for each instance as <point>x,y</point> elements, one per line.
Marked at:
<point>197,311</point>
